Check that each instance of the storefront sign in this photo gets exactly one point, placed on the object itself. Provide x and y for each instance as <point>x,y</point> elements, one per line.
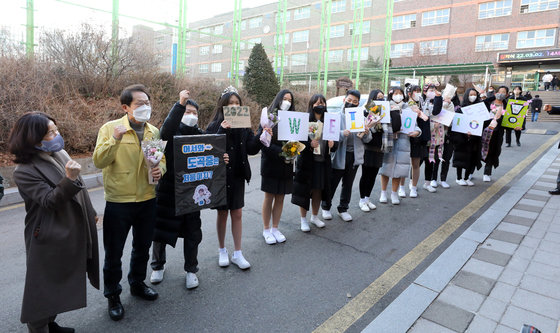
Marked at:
<point>552,54</point>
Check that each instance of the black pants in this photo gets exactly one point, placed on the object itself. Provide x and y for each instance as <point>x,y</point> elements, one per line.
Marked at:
<point>191,229</point>
<point>40,326</point>
<point>367,181</point>
<point>347,176</point>
<point>468,172</point>
<point>488,169</point>
<point>117,221</point>
<point>508,135</point>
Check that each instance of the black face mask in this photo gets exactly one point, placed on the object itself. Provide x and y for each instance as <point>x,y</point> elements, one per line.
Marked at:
<point>381,99</point>
<point>349,105</point>
<point>319,109</point>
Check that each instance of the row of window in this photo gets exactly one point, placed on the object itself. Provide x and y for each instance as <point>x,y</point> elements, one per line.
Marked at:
<point>485,10</point>
<point>496,42</point>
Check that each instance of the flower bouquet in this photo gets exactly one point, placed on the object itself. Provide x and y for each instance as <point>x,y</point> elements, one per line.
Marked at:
<point>315,133</point>
<point>268,120</point>
<point>153,153</point>
<point>290,150</point>
<point>374,116</point>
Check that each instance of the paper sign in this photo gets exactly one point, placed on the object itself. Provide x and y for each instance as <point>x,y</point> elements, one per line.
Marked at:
<point>385,111</point>
<point>293,126</point>
<point>238,116</point>
<point>200,172</point>
<point>355,119</point>
<point>515,113</point>
<point>464,123</point>
<point>331,128</point>
<point>449,91</point>
<point>444,117</point>
<point>408,120</point>
<point>479,110</point>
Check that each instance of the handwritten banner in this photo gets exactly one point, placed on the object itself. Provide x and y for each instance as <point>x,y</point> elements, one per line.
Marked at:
<point>293,126</point>
<point>331,128</point>
<point>477,109</point>
<point>444,117</point>
<point>238,116</point>
<point>515,113</point>
<point>354,119</point>
<point>408,121</point>
<point>464,123</point>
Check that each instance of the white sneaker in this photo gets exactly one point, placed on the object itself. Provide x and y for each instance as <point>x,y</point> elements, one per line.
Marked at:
<point>395,198</point>
<point>305,226</point>
<point>470,177</point>
<point>444,185</point>
<point>223,261</point>
<point>402,193</point>
<point>240,262</point>
<point>429,188</point>
<point>433,184</point>
<point>469,183</point>
<point>371,205</point>
<point>318,223</point>
<point>327,214</point>
<point>280,238</point>
<point>268,237</point>
<point>157,276</point>
<point>486,178</point>
<point>345,216</point>
<point>364,206</point>
<point>461,182</point>
<point>413,192</point>
<point>191,281</point>
<point>383,197</point>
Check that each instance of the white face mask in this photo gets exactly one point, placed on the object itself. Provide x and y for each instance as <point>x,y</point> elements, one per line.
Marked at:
<point>189,120</point>
<point>398,98</point>
<point>416,96</point>
<point>285,105</point>
<point>472,99</point>
<point>142,114</point>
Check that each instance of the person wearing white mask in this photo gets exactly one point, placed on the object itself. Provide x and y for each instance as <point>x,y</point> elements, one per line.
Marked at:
<point>131,201</point>
<point>182,120</point>
<point>276,175</point>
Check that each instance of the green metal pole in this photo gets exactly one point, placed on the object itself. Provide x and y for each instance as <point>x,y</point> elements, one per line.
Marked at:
<point>238,46</point>
<point>327,46</point>
<point>360,44</point>
<point>321,41</point>
<point>283,44</point>
<point>182,36</point>
<point>235,43</point>
<point>387,48</point>
<point>115,31</point>
<point>30,31</point>
<point>353,38</point>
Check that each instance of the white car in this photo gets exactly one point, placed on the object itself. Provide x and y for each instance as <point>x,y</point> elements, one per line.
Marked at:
<point>335,104</point>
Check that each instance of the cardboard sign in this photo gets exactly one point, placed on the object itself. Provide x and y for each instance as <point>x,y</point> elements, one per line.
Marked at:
<point>293,126</point>
<point>478,109</point>
<point>355,119</point>
<point>385,111</point>
<point>464,123</point>
<point>331,128</point>
<point>200,172</point>
<point>515,113</point>
<point>444,117</point>
<point>238,116</point>
<point>408,121</point>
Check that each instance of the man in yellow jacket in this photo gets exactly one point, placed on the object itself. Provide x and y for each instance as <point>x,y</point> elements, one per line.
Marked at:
<point>130,198</point>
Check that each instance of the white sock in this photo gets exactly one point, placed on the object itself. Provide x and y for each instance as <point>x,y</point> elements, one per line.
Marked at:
<point>273,229</point>
<point>394,193</point>
<point>223,250</point>
<point>314,217</point>
<point>237,254</point>
<point>384,192</point>
<point>266,231</point>
<point>366,199</point>
<point>362,200</point>
<point>401,187</point>
<point>413,187</point>
<point>304,219</point>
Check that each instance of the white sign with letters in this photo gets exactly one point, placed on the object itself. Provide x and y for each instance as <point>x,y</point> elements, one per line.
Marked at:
<point>408,121</point>
<point>331,127</point>
<point>293,126</point>
<point>355,119</point>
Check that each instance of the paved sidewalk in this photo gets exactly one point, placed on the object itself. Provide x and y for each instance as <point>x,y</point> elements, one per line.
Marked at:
<point>503,272</point>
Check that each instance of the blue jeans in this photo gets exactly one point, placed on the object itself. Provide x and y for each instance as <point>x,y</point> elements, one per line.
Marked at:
<point>534,116</point>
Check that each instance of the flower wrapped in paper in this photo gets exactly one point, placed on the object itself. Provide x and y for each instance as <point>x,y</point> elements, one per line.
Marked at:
<point>374,116</point>
<point>315,133</point>
<point>268,120</point>
<point>153,153</point>
<point>291,150</point>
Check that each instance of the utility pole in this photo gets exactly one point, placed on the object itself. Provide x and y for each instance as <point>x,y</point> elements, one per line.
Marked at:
<point>30,31</point>
<point>327,44</point>
<point>360,33</point>
<point>357,31</point>
<point>182,36</point>
<point>235,43</point>
<point>387,48</point>
<point>321,42</point>
<point>115,34</point>
<point>280,45</point>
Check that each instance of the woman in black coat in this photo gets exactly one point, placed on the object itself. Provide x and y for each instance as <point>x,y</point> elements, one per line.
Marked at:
<point>491,149</point>
<point>277,175</point>
<point>517,95</point>
<point>312,180</point>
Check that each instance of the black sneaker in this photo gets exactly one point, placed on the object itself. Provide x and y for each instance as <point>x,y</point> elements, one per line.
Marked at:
<point>140,289</point>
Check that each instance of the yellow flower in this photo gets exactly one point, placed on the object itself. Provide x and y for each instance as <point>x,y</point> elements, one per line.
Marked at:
<point>293,149</point>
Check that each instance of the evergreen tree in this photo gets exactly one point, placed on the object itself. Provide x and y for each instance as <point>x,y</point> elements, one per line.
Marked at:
<point>259,80</point>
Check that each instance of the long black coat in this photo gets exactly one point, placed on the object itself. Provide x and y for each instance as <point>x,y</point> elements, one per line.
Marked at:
<point>495,147</point>
<point>60,233</point>
<point>466,150</point>
<point>168,226</point>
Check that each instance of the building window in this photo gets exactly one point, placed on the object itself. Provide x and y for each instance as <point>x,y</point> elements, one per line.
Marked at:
<point>492,42</point>
<point>217,49</point>
<point>203,68</point>
<point>336,55</point>
<point>435,17</point>
<point>243,24</point>
<point>204,50</point>
<point>251,42</point>
<point>300,36</point>
<point>337,31</point>
<point>288,16</point>
<point>536,38</point>
<point>286,38</point>
<point>530,6</point>
<point>366,26</point>
<point>433,47</point>
<point>216,67</point>
<point>188,53</point>
<point>402,50</point>
<point>204,33</point>
<point>219,29</point>
<point>404,22</point>
<point>494,9</point>
<point>255,22</point>
<point>363,54</point>
<point>279,59</point>
<point>338,6</point>
<point>356,3</point>
<point>302,13</point>
<point>299,59</point>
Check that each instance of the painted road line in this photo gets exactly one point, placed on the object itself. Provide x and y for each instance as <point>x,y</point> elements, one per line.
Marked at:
<point>3,209</point>
<point>367,298</point>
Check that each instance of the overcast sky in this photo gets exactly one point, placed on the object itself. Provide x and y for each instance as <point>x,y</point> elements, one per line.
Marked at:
<point>58,14</point>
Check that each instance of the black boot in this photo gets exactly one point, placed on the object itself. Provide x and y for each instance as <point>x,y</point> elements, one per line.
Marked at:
<point>556,191</point>
<point>140,289</point>
<point>116,310</point>
<point>54,328</point>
